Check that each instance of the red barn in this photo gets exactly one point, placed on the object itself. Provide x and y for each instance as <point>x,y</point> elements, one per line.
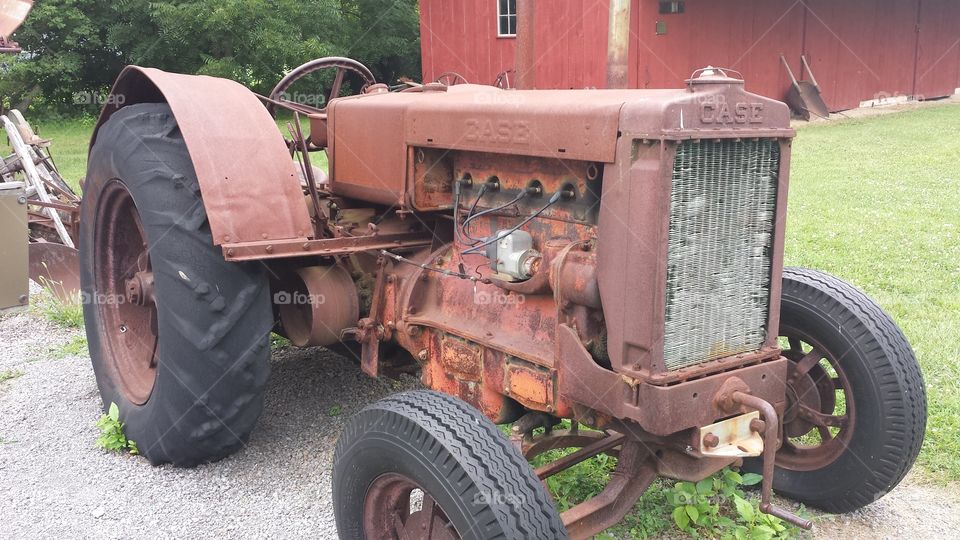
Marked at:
<point>859,50</point>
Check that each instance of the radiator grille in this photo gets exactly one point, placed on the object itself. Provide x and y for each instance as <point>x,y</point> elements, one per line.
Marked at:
<point>722,216</point>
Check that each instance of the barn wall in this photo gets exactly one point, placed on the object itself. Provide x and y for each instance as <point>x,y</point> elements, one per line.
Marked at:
<point>745,35</point>
<point>859,49</point>
<point>461,36</point>
<point>938,55</point>
<point>571,45</point>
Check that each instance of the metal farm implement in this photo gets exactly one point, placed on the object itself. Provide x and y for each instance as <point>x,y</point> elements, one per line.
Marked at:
<point>613,258</point>
<point>53,208</point>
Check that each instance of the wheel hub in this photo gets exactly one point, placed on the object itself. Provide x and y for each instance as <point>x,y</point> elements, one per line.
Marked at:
<point>396,507</point>
<point>802,392</point>
<point>817,426</point>
<point>123,293</point>
<point>140,289</point>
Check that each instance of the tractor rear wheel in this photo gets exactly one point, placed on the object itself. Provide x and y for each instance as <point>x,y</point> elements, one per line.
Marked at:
<point>427,465</point>
<point>856,404</point>
<point>179,337</point>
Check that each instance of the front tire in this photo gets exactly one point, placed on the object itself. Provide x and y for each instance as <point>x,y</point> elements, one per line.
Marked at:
<point>470,481</point>
<point>856,410</point>
<point>185,356</point>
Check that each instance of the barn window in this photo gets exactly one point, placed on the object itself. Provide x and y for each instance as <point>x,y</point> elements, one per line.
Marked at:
<point>668,7</point>
<point>506,18</point>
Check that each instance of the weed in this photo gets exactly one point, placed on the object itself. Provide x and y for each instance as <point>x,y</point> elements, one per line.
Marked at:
<point>717,507</point>
<point>650,515</point>
<point>66,314</point>
<point>336,410</point>
<point>111,436</point>
<point>9,374</point>
<point>77,346</point>
<point>278,342</point>
<point>712,508</point>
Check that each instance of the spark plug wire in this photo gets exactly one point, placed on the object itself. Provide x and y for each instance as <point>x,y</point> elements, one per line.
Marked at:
<point>496,238</point>
<point>465,228</point>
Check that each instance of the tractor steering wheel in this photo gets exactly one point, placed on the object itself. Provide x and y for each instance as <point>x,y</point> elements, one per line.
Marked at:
<point>342,65</point>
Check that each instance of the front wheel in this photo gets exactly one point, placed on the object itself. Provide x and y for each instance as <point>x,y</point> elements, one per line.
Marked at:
<point>179,337</point>
<point>856,404</point>
<point>426,465</point>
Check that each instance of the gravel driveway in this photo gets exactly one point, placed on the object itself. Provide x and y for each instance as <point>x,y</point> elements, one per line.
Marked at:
<point>55,483</point>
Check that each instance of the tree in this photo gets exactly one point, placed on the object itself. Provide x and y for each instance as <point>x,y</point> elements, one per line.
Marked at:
<point>73,49</point>
<point>385,36</point>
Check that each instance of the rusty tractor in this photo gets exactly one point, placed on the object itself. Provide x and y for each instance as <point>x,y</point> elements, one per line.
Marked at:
<point>601,268</point>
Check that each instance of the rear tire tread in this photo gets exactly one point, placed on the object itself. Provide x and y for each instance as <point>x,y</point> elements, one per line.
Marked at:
<point>219,368</point>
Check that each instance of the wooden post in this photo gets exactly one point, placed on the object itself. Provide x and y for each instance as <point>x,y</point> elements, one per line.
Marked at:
<point>526,69</point>
<point>618,44</point>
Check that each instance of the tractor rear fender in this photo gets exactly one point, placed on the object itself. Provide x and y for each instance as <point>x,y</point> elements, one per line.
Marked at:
<point>248,180</point>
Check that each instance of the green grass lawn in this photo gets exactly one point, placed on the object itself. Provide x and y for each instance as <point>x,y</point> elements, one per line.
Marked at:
<point>69,148</point>
<point>875,201</point>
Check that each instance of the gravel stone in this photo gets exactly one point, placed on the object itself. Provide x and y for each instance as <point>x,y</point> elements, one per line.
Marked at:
<point>55,483</point>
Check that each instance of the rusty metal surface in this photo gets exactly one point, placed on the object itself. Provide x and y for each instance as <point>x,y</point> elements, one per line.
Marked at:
<point>529,384</point>
<point>636,209</point>
<point>373,165</point>
<point>559,439</point>
<point>328,247</point>
<point>8,47</point>
<point>57,268</point>
<point>770,428</point>
<point>593,449</point>
<point>129,325</point>
<point>497,344</point>
<point>342,65</point>
<point>659,410</point>
<point>804,97</point>
<point>813,407</point>
<point>632,476</point>
<point>451,78</point>
<point>250,187</point>
<point>317,305</point>
<point>388,513</point>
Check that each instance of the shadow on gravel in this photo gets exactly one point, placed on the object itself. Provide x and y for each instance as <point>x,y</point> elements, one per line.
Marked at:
<point>310,396</point>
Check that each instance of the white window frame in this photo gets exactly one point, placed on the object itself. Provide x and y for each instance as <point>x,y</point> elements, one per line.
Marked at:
<point>508,17</point>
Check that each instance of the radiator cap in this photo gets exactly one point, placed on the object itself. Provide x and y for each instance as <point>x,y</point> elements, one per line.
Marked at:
<point>714,75</point>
